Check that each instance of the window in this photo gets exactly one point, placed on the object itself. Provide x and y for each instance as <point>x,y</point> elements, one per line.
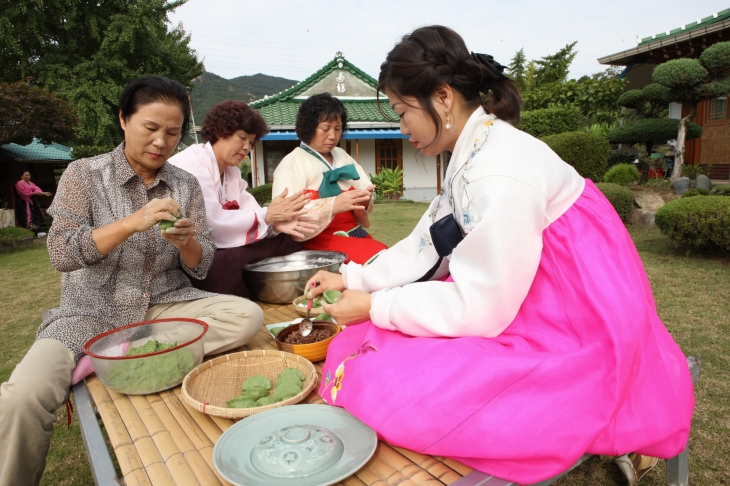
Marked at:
<point>274,151</point>
<point>388,153</point>
<point>717,109</point>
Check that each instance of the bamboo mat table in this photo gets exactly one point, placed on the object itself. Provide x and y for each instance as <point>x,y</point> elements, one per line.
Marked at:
<point>158,440</point>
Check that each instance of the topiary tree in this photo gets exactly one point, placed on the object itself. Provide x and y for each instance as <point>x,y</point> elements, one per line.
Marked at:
<point>649,131</point>
<point>691,81</point>
<point>648,104</point>
<point>549,121</point>
<point>586,152</point>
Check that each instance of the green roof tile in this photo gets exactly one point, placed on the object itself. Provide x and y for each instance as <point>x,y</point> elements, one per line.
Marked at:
<point>282,108</point>
<point>37,151</point>
<point>721,15</point>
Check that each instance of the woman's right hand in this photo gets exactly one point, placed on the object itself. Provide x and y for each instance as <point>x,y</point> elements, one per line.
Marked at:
<point>153,212</point>
<point>324,280</point>
<point>352,201</point>
<point>283,208</point>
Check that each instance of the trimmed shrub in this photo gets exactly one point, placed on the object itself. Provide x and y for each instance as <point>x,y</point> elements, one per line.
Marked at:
<point>551,121</point>
<point>261,193</point>
<point>586,152</point>
<point>697,192</point>
<point>620,197</point>
<point>651,130</point>
<point>623,174</point>
<point>11,233</point>
<point>624,155</point>
<point>721,190</point>
<point>698,222</point>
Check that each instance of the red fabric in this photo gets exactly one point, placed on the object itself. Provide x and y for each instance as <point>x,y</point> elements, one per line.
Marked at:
<point>358,250</point>
<point>231,205</point>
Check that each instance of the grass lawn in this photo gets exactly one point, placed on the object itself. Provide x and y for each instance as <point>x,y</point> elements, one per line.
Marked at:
<point>692,293</point>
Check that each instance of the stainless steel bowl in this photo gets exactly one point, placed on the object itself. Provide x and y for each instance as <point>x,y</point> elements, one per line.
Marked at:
<point>280,280</point>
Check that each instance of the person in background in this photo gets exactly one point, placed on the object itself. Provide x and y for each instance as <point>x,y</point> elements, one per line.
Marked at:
<point>118,267</point>
<point>27,213</point>
<point>341,192</point>
<point>243,231</point>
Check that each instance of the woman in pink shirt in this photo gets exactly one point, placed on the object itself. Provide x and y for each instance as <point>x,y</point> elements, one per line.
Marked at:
<point>243,231</point>
<point>27,214</point>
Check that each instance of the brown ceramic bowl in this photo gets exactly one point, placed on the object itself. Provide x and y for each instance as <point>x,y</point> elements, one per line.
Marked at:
<point>313,352</point>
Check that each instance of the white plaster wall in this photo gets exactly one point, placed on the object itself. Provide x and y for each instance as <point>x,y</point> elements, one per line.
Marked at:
<point>419,174</point>
<point>366,151</point>
<point>675,110</point>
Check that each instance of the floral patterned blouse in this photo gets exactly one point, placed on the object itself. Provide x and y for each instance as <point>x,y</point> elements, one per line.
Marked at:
<point>99,293</point>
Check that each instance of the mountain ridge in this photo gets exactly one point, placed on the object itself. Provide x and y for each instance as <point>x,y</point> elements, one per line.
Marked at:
<point>211,89</point>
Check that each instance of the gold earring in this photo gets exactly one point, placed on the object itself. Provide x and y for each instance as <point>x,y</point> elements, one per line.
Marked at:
<point>448,121</point>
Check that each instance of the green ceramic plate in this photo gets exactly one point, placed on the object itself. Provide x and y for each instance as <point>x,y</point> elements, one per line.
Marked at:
<point>301,445</point>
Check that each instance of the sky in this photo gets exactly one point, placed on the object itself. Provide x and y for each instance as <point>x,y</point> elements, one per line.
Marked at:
<point>293,39</point>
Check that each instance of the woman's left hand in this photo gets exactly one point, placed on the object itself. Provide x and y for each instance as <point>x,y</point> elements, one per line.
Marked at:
<point>353,307</point>
<point>180,234</point>
<point>296,227</point>
<point>282,208</point>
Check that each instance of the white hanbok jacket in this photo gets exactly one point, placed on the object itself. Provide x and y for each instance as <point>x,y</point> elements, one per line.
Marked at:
<point>504,188</point>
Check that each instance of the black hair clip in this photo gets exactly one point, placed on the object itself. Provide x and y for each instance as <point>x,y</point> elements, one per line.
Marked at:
<point>495,69</point>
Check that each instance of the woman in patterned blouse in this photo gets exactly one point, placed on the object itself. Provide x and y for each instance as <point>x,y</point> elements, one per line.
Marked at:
<point>119,267</point>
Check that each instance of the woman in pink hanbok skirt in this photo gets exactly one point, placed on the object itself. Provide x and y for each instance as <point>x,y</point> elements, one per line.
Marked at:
<point>514,330</point>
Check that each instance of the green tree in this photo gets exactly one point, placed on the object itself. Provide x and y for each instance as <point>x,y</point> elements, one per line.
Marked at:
<point>554,68</point>
<point>28,111</point>
<point>691,81</point>
<point>87,51</point>
<point>517,69</point>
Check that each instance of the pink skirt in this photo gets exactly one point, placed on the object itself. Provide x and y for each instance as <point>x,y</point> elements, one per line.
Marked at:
<point>586,367</point>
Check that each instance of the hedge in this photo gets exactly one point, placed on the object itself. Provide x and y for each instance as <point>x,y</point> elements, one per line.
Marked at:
<point>698,222</point>
<point>261,193</point>
<point>586,152</point>
<point>11,233</point>
<point>620,197</point>
<point>551,121</point>
<point>623,174</point>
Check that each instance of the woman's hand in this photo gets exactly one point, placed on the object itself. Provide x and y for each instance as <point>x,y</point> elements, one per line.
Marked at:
<point>153,212</point>
<point>352,201</point>
<point>324,281</point>
<point>180,234</point>
<point>296,227</point>
<point>284,208</point>
<point>353,307</point>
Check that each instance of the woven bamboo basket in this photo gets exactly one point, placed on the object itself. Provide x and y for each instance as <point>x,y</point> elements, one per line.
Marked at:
<point>300,305</point>
<point>207,387</point>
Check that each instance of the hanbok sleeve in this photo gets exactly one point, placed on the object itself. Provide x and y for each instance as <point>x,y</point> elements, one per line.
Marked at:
<point>291,174</point>
<point>231,228</point>
<point>403,263</point>
<point>492,269</point>
<point>25,191</point>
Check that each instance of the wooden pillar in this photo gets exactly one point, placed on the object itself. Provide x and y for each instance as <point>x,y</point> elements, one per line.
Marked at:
<point>357,151</point>
<point>254,169</point>
<point>348,147</point>
<point>438,174</point>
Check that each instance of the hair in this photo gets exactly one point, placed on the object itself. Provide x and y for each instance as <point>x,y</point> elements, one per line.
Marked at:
<point>226,118</point>
<point>21,173</point>
<point>316,109</point>
<point>150,89</point>
<point>433,56</point>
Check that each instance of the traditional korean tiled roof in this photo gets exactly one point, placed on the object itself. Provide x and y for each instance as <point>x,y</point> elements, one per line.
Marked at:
<point>699,24</point>
<point>282,108</point>
<point>36,150</point>
<point>688,40</point>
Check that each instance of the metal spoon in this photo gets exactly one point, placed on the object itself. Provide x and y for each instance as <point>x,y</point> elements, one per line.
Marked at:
<point>305,326</point>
